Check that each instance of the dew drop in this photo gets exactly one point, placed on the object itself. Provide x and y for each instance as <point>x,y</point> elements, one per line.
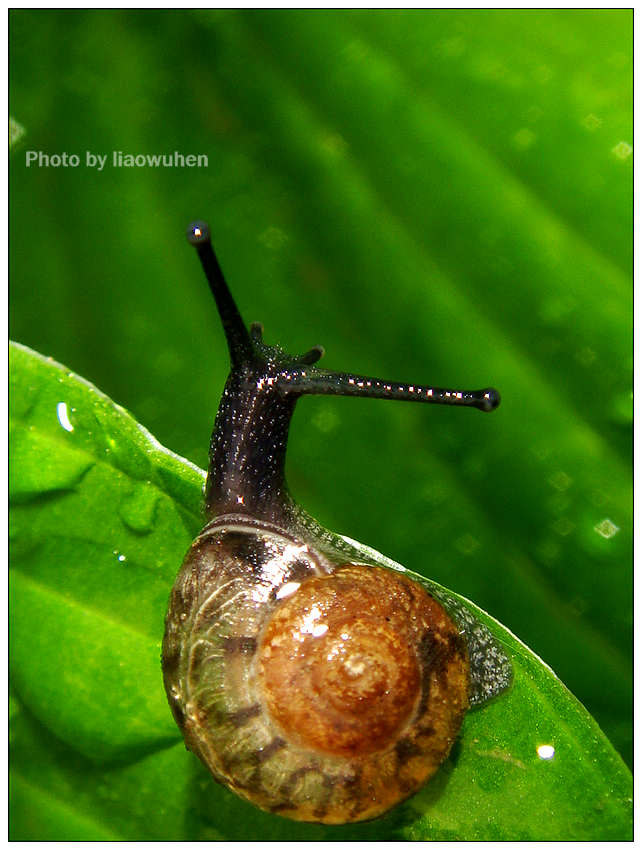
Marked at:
<point>55,472</point>
<point>63,416</point>
<point>563,526</point>
<point>138,509</point>
<point>523,138</point>
<point>622,150</point>
<point>467,544</point>
<point>560,480</point>
<point>16,131</point>
<point>585,356</point>
<point>606,528</point>
<point>326,421</point>
<point>621,408</point>
<point>273,238</point>
<point>546,751</point>
<point>591,122</point>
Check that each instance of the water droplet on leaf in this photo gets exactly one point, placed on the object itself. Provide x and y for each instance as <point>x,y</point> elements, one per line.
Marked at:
<point>137,509</point>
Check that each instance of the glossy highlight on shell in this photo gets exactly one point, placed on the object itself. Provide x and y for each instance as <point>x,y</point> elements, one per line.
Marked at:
<point>312,676</point>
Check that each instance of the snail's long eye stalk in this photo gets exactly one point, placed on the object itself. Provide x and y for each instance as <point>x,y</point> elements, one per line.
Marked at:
<point>238,338</point>
<point>321,382</point>
<point>314,381</point>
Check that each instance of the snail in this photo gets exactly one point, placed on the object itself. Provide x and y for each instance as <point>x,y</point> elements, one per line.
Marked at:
<point>312,676</point>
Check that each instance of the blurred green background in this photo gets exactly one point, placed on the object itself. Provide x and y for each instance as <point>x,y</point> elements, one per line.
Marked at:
<point>435,196</point>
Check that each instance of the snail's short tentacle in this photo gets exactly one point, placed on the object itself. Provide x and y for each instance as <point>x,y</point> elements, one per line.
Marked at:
<point>311,356</point>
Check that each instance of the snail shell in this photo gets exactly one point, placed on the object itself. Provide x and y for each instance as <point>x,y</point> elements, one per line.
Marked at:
<point>311,675</point>
<point>320,691</point>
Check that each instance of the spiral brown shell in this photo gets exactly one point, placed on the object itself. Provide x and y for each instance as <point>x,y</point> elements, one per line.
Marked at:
<point>324,692</point>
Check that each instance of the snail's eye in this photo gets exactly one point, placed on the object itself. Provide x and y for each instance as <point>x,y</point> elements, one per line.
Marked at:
<point>198,232</point>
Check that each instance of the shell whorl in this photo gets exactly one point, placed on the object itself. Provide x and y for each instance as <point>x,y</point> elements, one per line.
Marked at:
<point>321,691</point>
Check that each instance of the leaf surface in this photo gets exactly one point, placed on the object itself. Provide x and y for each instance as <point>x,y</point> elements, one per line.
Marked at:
<point>95,751</point>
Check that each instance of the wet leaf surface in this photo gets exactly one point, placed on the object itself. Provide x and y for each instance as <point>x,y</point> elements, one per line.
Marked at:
<point>95,750</point>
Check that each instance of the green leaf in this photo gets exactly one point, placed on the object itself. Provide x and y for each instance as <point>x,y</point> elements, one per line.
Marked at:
<point>440,196</point>
<point>95,753</point>
<point>101,513</point>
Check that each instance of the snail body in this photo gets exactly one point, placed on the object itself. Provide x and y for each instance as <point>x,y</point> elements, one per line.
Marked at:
<point>311,675</point>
